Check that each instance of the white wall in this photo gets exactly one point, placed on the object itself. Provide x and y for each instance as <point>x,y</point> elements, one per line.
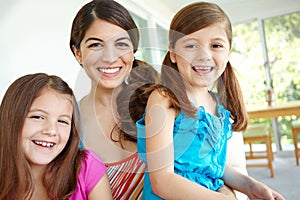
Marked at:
<point>34,37</point>
<point>34,34</point>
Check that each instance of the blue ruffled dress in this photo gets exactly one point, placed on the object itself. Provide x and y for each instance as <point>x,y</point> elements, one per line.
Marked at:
<point>199,147</point>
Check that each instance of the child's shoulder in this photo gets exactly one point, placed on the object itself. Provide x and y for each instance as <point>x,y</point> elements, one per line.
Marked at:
<point>92,164</point>
<point>91,157</point>
<point>158,96</point>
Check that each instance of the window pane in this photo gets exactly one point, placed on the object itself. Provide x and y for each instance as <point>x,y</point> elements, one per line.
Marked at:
<point>162,41</point>
<point>143,52</point>
<point>283,39</point>
<point>247,59</point>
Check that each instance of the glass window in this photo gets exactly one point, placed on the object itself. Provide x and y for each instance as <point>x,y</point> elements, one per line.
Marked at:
<point>283,39</point>
<point>142,53</point>
<point>162,41</point>
<point>153,41</point>
<point>247,59</point>
<point>282,36</point>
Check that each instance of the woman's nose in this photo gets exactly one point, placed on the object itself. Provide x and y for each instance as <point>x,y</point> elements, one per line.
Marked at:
<point>110,54</point>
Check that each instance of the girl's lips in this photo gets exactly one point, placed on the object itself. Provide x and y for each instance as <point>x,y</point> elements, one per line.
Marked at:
<point>202,68</point>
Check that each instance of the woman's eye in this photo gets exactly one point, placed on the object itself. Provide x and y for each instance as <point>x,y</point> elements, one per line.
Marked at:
<point>122,45</point>
<point>95,46</point>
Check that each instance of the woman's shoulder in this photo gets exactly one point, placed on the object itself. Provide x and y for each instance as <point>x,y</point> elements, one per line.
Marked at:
<point>130,160</point>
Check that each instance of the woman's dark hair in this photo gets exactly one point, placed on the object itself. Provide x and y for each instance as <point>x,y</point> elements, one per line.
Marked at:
<point>108,10</point>
<point>60,176</point>
<point>142,73</point>
<point>132,98</point>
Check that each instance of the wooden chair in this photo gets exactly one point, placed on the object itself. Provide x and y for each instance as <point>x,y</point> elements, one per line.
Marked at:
<point>259,133</point>
<point>296,131</point>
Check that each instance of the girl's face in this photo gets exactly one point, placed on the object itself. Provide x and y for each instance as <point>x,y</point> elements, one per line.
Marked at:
<point>106,54</point>
<point>202,56</point>
<point>47,127</point>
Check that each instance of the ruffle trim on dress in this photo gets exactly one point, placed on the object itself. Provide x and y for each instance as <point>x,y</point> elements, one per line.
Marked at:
<point>207,126</point>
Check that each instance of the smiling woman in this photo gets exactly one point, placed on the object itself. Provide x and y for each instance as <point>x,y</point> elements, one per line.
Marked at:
<point>104,38</point>
<point>106,54</point>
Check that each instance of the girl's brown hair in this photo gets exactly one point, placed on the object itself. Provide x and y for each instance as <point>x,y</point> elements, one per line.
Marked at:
<point>188,20</point>
<point>60,177</point>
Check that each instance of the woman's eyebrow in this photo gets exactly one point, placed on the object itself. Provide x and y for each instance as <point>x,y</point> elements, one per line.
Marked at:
<point>123,38</point>
<point>100,40</point>
<point>92,38</point>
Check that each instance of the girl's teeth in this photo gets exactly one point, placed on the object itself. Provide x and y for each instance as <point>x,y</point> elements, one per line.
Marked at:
<point>44,144</point>
<point>202,68</point>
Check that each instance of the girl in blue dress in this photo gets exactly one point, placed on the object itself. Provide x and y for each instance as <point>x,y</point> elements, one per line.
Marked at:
<point>183,133</point>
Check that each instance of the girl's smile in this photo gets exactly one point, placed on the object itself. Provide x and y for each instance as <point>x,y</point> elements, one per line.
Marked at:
<point>47,127</point>
<point>202,56</point>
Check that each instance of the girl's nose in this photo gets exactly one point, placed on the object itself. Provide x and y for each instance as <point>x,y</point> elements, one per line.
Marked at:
<point>203,54</point>
<point>50,129</point>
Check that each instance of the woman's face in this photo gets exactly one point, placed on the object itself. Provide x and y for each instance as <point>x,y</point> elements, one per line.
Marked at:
<point>47,126</point>
<point>106,54</point>
<point>202,56</point>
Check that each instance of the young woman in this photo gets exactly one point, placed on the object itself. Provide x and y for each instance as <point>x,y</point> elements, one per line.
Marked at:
<point>39,155</point>
<point>104,38</point>
<point>183,134</point>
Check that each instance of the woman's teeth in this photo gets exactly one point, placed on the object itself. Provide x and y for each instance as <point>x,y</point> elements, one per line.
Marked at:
<point>109,70</point>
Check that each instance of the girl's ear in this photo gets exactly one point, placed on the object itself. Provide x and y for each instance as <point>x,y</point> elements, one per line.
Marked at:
<point>77,54</point>
<point>172,55</point>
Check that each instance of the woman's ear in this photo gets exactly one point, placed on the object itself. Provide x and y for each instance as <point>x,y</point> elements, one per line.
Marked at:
<point>77,54</point>
<point>172,55</point>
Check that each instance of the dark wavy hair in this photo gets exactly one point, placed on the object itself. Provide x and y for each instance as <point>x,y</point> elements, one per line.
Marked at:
<point>60,177</point>
<point>142,72</point>
<point>108,10</point>
<point>132,99</point>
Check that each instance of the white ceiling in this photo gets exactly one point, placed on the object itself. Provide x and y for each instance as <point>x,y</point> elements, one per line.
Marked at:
<point>177,4</point>
<point>238,10</point>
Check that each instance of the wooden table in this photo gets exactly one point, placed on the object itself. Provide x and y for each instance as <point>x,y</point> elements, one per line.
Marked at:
<point>274,111</point>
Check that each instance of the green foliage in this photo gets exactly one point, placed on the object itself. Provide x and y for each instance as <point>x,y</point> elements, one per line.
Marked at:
<point>282,35</point>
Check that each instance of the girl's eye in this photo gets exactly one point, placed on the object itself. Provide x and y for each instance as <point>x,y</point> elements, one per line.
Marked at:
<point>36,117</point>
<point>64,122</point>
<point>216,46</point>
<point>191,46</point>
